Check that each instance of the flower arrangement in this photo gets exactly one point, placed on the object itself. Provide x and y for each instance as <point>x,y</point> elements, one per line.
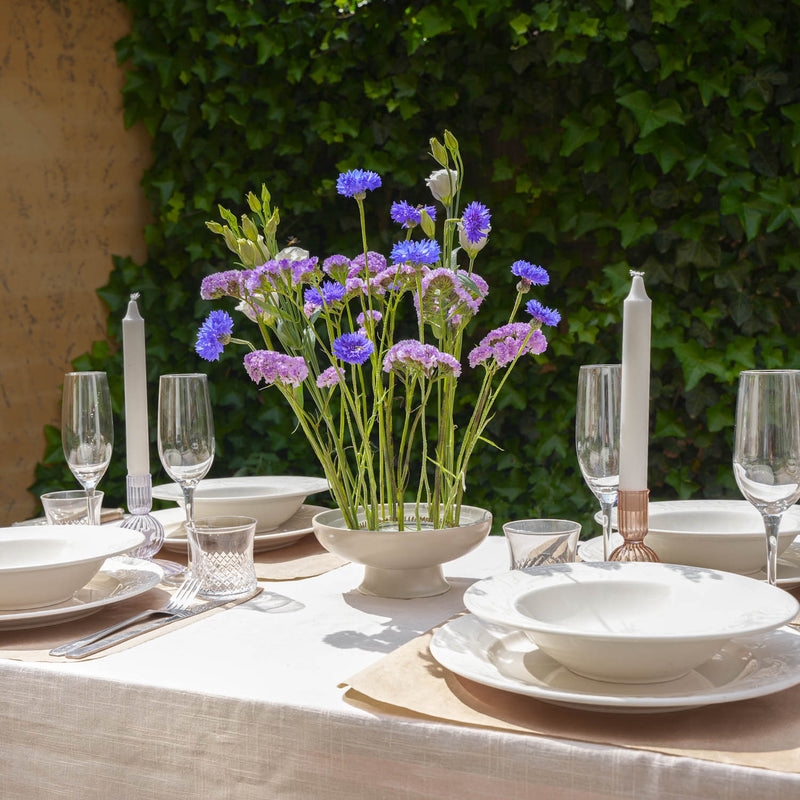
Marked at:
<point>377,405</point>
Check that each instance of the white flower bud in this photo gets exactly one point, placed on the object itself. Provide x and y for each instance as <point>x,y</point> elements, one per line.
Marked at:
<point>472,248</point>
<point>292,254</point>
<point>443,184</point>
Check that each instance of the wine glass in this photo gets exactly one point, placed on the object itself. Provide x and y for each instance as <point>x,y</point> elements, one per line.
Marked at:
<point>185,438</point>
<point>597,426</point>
<point>87,431</point>
<point>766,453</point>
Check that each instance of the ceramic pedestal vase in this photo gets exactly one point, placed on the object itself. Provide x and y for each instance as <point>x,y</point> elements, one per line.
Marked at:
<point>402,564</point>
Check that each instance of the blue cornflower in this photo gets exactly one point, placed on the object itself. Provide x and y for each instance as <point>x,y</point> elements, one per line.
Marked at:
<point>213,335</point>
<point>353,348</point>
<point>545,315</point>
<point>405,214</point>
<point>532,273</point>
<point>475,222</point>
<point>328,293</point>
<point>357,182</point>
<point>424,252</point>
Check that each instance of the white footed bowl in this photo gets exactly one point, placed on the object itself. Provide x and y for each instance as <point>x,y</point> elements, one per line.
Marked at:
<point>630,622</point>
<point>46,564</point>
<point>403,564</point>
<point>269,499</point>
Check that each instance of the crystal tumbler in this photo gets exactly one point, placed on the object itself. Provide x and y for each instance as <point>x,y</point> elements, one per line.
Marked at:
<point>225,555</point>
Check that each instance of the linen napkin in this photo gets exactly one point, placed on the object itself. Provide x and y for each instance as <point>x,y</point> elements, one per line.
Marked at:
<point>34,644</point>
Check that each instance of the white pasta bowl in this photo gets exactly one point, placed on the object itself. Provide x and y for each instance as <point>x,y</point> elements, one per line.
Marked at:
<point>46,564</point>
<point>630,622</point>
<point>720,534</point>
<point>269,499</point>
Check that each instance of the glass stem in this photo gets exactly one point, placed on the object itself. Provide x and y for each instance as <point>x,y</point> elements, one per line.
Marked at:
<point>188,504</point>
<point>92,513</point>
<point>606,506</point>
<point>772,523</point>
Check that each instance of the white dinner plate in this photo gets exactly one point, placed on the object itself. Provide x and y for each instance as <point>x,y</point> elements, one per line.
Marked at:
<point>119,579</point>
<point>788,562</point>
<point>749,667</point>
<point>291,531</point>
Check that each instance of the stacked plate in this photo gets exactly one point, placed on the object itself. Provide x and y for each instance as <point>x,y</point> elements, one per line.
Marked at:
<point>50,573</point>
<point>624,637</point>
<point>276,502</point>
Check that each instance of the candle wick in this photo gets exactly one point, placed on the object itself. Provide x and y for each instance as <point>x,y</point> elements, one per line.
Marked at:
<point>135,296</point>
<point>636,273</point>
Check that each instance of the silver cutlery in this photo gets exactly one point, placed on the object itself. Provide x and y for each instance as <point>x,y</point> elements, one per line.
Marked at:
<point>132,633</point>
<point>180,602</point>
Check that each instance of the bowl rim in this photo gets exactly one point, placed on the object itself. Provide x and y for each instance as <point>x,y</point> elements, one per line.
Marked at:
<point>782,606</point>
<point>111,540</point>
<point>657,507</point>
<point>310,484</point>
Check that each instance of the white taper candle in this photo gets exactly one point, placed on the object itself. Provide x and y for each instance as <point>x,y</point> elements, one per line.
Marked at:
<point>635,401</point>
<point>137,439</point>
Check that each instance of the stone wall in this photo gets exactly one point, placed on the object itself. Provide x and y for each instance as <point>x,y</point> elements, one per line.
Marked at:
<point>71,199</point>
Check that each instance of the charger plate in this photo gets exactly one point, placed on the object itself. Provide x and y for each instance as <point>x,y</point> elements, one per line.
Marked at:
<point>788,561</point>
<point>119,579</point>
<point>748,667</point>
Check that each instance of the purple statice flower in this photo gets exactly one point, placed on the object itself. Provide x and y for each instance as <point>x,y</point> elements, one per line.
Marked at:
<point>454,294</point>
<point>213,335</point>
<point>357,182</point>
<point>545,315</point>
<point>329,377</point>
<point>412,356</point>
<point>397,277</point>
<point>301,269</point>
<point>272,367</point>
<point>508,342</point>
<point>337,266</point>
<point>475,222</point>
<point>353,348</point>
<point>221,284</point>
<point>405,214</point>
<point>531,274</point>
<point>362,317</point>
<point>424,252</point>
<point>355,287</point>
<point>376,263</point>
<point>326,295</point>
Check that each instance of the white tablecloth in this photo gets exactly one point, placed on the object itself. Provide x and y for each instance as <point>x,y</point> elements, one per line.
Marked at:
<point>246,704</point>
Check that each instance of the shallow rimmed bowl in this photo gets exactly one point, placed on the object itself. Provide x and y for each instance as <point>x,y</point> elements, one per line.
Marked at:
<point>718,534</point>
<point>269,499</point>
<point>630,622</point>
<point>46,564</point>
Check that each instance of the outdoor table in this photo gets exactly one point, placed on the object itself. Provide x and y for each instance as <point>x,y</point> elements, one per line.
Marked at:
<point>250,703</point>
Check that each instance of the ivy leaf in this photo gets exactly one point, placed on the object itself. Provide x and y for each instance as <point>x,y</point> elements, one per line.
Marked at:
<point>576,134</point>
<point>632,228</point>
<point>432,21</point>
<point>651,116</point>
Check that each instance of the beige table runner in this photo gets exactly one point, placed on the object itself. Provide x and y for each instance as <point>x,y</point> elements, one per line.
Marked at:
<point>763,732</point>
<point>34,644</point>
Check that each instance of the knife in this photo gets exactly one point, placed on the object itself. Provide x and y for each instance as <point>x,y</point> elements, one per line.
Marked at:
<point>131,633</point>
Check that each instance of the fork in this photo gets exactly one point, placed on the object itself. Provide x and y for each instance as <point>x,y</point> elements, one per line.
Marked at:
<point>178,603</point>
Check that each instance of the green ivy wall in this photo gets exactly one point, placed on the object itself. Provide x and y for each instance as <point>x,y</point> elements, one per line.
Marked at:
<point>604,136</point>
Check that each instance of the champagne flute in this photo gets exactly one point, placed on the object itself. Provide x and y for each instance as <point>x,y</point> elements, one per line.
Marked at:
<point>87,431</point>
<point>185,438</point>
<point>766,453</point>
<point>597,426</point>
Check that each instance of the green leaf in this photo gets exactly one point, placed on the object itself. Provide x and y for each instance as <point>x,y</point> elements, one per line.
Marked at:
<point>651,116</point>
